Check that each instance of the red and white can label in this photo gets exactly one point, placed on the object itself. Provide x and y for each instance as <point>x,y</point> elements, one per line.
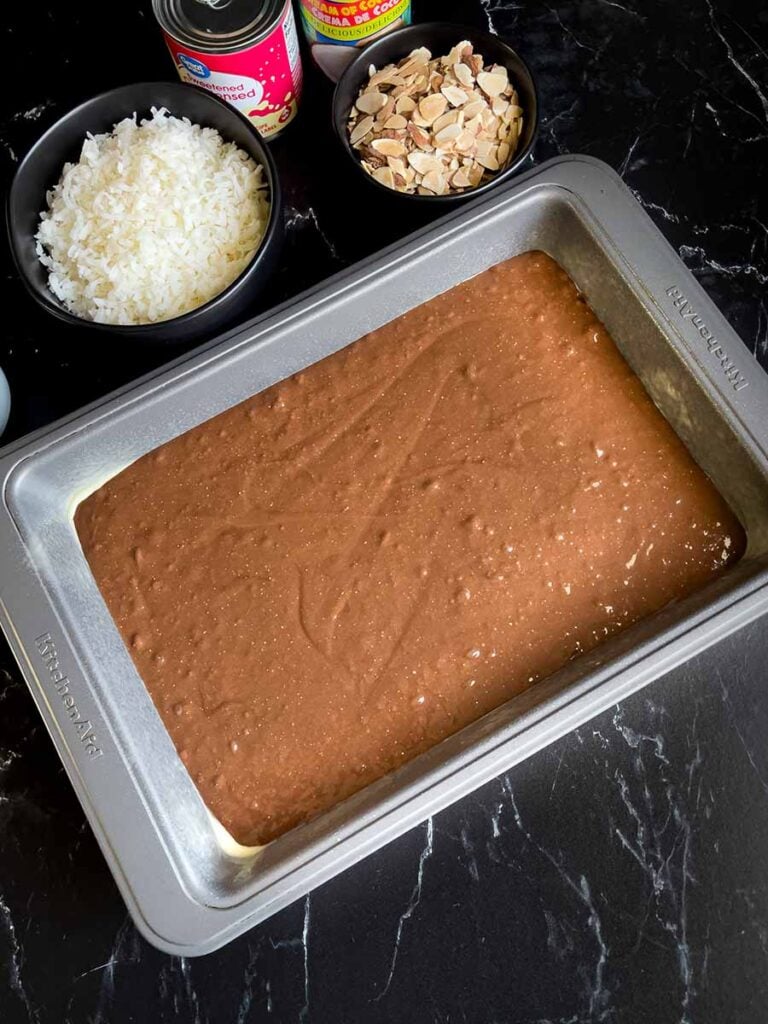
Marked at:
<point>262,81</point>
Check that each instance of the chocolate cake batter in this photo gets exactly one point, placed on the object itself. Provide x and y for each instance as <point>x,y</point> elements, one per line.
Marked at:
<point>336,574</point>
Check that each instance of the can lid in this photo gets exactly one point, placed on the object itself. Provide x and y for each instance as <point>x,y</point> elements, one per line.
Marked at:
<point>219,24</point>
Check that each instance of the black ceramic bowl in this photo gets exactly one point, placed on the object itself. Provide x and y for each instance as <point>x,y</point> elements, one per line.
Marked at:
<point>41,169</point>
<point>439,37</point>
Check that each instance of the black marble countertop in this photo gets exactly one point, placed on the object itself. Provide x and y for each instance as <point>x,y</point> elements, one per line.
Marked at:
<point>620,875</point>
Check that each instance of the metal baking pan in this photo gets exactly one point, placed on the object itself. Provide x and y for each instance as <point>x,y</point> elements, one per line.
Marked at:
<point>188,892</point>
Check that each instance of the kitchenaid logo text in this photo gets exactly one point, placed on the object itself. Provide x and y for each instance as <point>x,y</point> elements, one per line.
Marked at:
<point>684,308</point>
<point>47,650</point>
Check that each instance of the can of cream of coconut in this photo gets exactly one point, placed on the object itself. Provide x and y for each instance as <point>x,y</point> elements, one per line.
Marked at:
<point>334,28</point>
<point>245,52</point>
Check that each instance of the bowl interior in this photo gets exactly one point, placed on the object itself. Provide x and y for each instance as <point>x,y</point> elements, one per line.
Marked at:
<point>43,164</point>
<point>439,38</point>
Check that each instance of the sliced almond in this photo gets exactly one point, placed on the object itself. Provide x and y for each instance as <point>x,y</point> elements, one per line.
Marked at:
<point>385,176</point>
<point>388,147</point>
<point>474,62</point>
<point>491,83</point>
<point>419,136</point>
<point>397,165</point>
<point>460,50</point>
<point>475,174</point>
<point>432,107</point>
<point>361,129</point>
<point>499,105</point>
<point>372,161</point>
<point>509,133</point>
<point>434,181</point>
<point>423,163</point>
<point>421,55</point>
<point>502,154</point>
<point>387,76</point>
<point>449,117</point>
<point>513,135</point>
<point>465,141</point>
<point>446,136</point>
<point>387,110</point>
<point>395,121</point>
<point>463,75</point>
<point>405,105</point>
<point>486,155</point>
<point>411,71</point>
<point>393,133</point>
<point>474,107</point>
<point>455,96</point>
<point>490,121</point>
<point>461,179</point>
<point>370,102</point>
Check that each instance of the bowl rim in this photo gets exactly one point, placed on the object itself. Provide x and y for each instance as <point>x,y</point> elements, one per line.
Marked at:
<point>462,31</point>
<point>48,300</point>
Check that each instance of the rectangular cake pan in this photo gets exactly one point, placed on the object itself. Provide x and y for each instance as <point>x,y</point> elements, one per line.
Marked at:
<point>188,890</point>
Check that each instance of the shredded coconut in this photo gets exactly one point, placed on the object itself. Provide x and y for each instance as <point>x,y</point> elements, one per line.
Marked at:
<point>155,219</point>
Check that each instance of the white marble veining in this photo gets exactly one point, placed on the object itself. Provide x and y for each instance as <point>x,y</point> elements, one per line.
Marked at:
<point>597,994</point>
<point>297,221</point>
<point>413,903</point>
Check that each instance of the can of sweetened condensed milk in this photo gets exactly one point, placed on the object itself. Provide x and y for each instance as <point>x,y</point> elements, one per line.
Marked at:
<point>243,51</point>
